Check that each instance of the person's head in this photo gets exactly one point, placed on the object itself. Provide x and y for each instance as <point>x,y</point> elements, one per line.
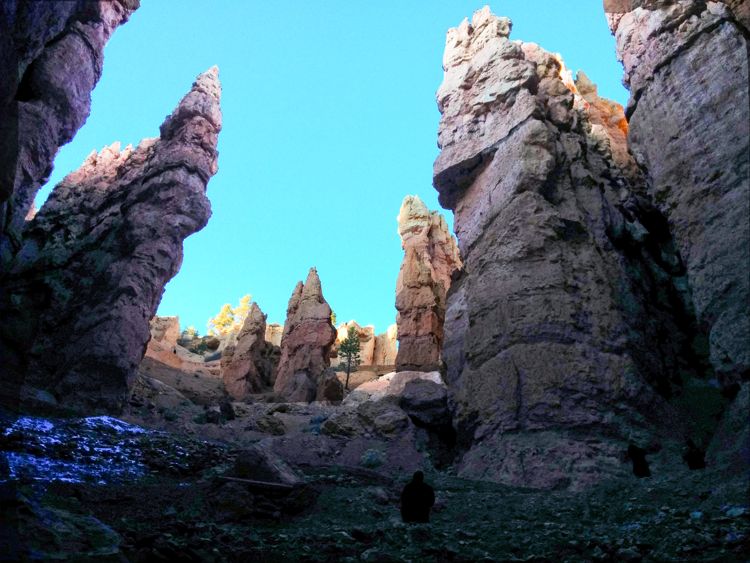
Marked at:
<point>418,477</point>
<point>690,444</point>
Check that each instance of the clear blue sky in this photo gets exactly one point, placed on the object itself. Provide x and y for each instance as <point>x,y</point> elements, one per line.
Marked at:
<point>329,121</point>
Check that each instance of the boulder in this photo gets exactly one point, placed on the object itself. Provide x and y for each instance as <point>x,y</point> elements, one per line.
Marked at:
<point>390,384</point>
<point>687,67</point>
<point>96,257</point>
<point>259,463</point>
<point>430,258</point>
<point>330,388</point>
<point>306,343</point>
<point>426,403</point>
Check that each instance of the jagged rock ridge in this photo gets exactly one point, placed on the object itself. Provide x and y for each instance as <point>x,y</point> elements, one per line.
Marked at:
<point>430,258</point>
<point>96,257</point>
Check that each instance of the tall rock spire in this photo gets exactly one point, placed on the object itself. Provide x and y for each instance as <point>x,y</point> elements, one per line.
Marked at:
<point>96,257</point>
<point>306,343</point>
<point>430,258</point>
<point>562,312</point>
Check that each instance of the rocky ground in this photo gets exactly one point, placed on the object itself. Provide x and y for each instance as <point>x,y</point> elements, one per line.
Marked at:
<point>102,489</point>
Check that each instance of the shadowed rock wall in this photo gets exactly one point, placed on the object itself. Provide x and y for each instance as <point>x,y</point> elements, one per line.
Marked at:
<point>686,64</point>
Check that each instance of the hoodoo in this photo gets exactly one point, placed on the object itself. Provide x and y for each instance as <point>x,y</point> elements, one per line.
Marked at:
<point>430,258</point>
<point>306,343</point>
<point>90,273</point>
<point>554,344</point>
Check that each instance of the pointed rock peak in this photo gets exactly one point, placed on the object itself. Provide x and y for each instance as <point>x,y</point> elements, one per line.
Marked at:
<point>255,312</point>
<point>464,41</point>
<point>203,100</point>
<point>412,217</point>
<point>313,288</point>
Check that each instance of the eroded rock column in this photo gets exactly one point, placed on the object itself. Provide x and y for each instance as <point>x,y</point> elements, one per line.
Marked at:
<point>89,276</point>
<point>246,365</point>
<point>306,343</point>
<point>559,328</point>
<point>430,258</point>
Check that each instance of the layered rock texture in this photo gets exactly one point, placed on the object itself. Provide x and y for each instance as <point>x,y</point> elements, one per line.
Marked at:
<point>570,310</point>
<point>79,294</point>
<point>430,258</point>
<point>306,343</point>
<point>686,64</point>
<point>247,366</point>
<point>51,56</point>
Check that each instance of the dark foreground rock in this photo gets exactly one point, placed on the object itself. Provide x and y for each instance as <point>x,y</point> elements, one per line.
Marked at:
<point>180,509</point>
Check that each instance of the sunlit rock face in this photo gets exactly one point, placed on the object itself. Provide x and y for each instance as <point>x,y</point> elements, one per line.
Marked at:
<point>386,347</point>
<point>274,332</point>
<point>686,64</point>
<point>366,335</point>
<point>162,346</point>
<point>247,364</point>
<point>560,325</point>
<point>306,343</point>
<point>51,56</point>
<point>96,257</point>
<point>430,258</point>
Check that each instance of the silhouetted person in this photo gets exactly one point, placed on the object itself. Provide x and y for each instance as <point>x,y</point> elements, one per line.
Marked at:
<point>416,500</point>
<point>638,457</point>
<point>694,456</point>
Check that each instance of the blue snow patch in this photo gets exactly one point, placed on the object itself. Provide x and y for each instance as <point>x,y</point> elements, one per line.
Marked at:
<point>98,449</point>
<point>108,422</point>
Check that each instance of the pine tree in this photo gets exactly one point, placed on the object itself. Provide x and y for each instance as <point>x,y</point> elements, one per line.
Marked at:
<point>349,353</point>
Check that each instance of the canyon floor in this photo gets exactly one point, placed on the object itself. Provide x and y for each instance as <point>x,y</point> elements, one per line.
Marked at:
<point>155,488</point>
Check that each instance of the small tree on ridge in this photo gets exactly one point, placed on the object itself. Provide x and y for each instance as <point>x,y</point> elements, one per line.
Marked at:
<point>349,353</point>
